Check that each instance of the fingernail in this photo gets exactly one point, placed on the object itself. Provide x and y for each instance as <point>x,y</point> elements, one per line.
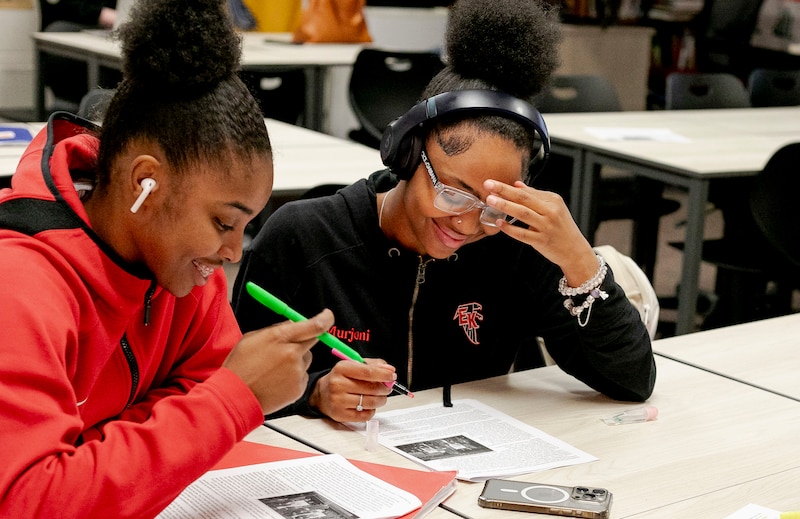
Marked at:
<point>489,184</point>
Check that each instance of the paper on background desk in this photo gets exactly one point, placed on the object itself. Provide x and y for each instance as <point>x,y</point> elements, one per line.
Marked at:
<point>475,440</point>
<point>635,134</point>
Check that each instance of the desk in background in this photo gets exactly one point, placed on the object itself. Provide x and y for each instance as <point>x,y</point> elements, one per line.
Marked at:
<point>717,445</point>
<point>303,158</point>
<point>721,144</point>
<point>261,52</point>
<point>763,353</point>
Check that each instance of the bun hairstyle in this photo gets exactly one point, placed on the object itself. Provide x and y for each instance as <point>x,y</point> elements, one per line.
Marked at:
<point>179,50</point>
<point>180,88</point>
<point>505,46</point>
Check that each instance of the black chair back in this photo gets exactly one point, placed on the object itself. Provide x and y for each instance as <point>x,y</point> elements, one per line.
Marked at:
<point>385,84</point>
<point>280,94</point>
<point>94,104</point>
<point>692,91</point>
<point>770,87</point>
<point>578,93</point>
<point>773,202</point>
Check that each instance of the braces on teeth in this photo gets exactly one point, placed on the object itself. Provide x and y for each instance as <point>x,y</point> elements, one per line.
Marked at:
<point>204,269</point>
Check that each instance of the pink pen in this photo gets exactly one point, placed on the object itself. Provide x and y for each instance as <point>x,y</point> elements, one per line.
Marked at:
<point>396,386</point>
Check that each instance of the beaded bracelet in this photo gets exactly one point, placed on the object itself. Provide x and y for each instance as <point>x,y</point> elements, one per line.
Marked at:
<point>591,287</point>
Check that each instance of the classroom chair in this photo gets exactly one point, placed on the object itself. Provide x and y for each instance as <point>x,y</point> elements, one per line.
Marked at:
<point>758,263</point>
<point>384,84</point>
<point>692,91</point>
<point>94,104</point>
<point>717,90</point>
<point>619,196</point>
<point>773,204</point>
<point>280,94</point>
<point>771,87</point>
<point>578,93</point>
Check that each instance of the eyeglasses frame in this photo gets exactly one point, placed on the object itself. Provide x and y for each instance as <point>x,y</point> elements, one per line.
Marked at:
<point>477,203</point>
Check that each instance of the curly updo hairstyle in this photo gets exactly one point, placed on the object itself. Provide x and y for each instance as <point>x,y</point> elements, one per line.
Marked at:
<point>180,89</point>
<point>505,45</point>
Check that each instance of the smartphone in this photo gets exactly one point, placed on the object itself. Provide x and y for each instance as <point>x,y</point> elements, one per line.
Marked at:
<point>522,496</point>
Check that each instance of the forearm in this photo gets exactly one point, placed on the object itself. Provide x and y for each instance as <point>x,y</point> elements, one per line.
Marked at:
<point>132,469</point>
<point>303,406</point>
<point>612,352</point>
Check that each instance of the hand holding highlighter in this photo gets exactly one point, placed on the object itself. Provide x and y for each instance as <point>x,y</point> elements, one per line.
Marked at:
<point>341,349</point>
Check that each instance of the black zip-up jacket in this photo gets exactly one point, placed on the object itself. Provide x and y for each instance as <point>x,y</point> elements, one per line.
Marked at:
<point>438,322</point>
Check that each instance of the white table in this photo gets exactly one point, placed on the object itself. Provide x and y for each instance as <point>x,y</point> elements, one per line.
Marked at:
<point>765,354</point>
<point>260,52</point>
<point>303,158</point>
<point>720,144</point>
<point>717,445</point>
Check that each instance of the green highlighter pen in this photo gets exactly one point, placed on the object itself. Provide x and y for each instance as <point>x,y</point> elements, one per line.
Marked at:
<point>281,308</point>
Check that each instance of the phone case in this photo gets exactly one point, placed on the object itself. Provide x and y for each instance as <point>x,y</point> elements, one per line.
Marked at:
<point>522,496</point>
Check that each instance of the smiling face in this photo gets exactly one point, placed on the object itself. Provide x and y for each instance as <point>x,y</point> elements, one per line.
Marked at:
<point>191,222</point>
<point>203,226</point>
<point>433,232</point>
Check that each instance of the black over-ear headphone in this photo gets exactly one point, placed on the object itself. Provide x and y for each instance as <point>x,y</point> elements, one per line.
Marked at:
<point>402,141</point>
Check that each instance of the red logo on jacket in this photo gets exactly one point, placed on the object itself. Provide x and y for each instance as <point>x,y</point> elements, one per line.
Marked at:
<point>467,317</point>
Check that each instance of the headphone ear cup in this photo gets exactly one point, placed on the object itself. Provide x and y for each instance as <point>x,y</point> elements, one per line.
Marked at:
<point>400,150</point>
<point>537,164</point>
<point>408,156</point>
<point>388,146</point>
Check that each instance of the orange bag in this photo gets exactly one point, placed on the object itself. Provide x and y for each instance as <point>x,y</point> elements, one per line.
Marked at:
<point>333,21</point>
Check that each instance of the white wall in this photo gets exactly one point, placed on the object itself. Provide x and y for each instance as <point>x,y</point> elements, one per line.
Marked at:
<point>17,60</point>
<point>620,53</point>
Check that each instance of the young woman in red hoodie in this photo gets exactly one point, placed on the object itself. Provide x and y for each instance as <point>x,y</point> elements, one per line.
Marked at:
<point>123,374</point>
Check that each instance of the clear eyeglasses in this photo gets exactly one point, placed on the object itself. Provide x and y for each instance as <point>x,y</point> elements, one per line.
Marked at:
<point>455,201</point>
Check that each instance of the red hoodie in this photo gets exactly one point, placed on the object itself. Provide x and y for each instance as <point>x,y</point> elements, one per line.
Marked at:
<point>100,414</point>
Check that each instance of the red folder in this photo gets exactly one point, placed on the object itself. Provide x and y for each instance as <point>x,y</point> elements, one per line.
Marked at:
<point>431,487</point>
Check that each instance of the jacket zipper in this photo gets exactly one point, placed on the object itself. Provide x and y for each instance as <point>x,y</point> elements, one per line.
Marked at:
<point>148,299</point>
<point>420,280</point>
<point>132,365</point>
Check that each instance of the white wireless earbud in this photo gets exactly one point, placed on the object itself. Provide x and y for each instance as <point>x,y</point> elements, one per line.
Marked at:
<point>147,185</point>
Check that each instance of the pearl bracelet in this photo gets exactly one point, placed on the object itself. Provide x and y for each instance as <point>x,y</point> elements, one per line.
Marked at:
<point>590,287</point>
<point>587,286</point>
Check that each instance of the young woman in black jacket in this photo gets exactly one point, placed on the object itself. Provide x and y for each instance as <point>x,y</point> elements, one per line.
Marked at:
<point>442,268</point>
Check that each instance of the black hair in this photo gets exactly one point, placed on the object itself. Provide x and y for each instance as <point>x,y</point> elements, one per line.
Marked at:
<point>180,89</point>
<point>505,45</point>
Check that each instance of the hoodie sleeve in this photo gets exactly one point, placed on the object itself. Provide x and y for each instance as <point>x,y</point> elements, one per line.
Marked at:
<point>611,354</point>
<point>78,451</point>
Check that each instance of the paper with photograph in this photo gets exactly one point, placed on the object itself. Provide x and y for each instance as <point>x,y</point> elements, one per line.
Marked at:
<point>475,440</point>
<point>327,487</point>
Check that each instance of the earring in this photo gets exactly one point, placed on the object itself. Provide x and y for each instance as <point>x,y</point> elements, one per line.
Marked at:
<point>147,185</point>
<point>458,221</point>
